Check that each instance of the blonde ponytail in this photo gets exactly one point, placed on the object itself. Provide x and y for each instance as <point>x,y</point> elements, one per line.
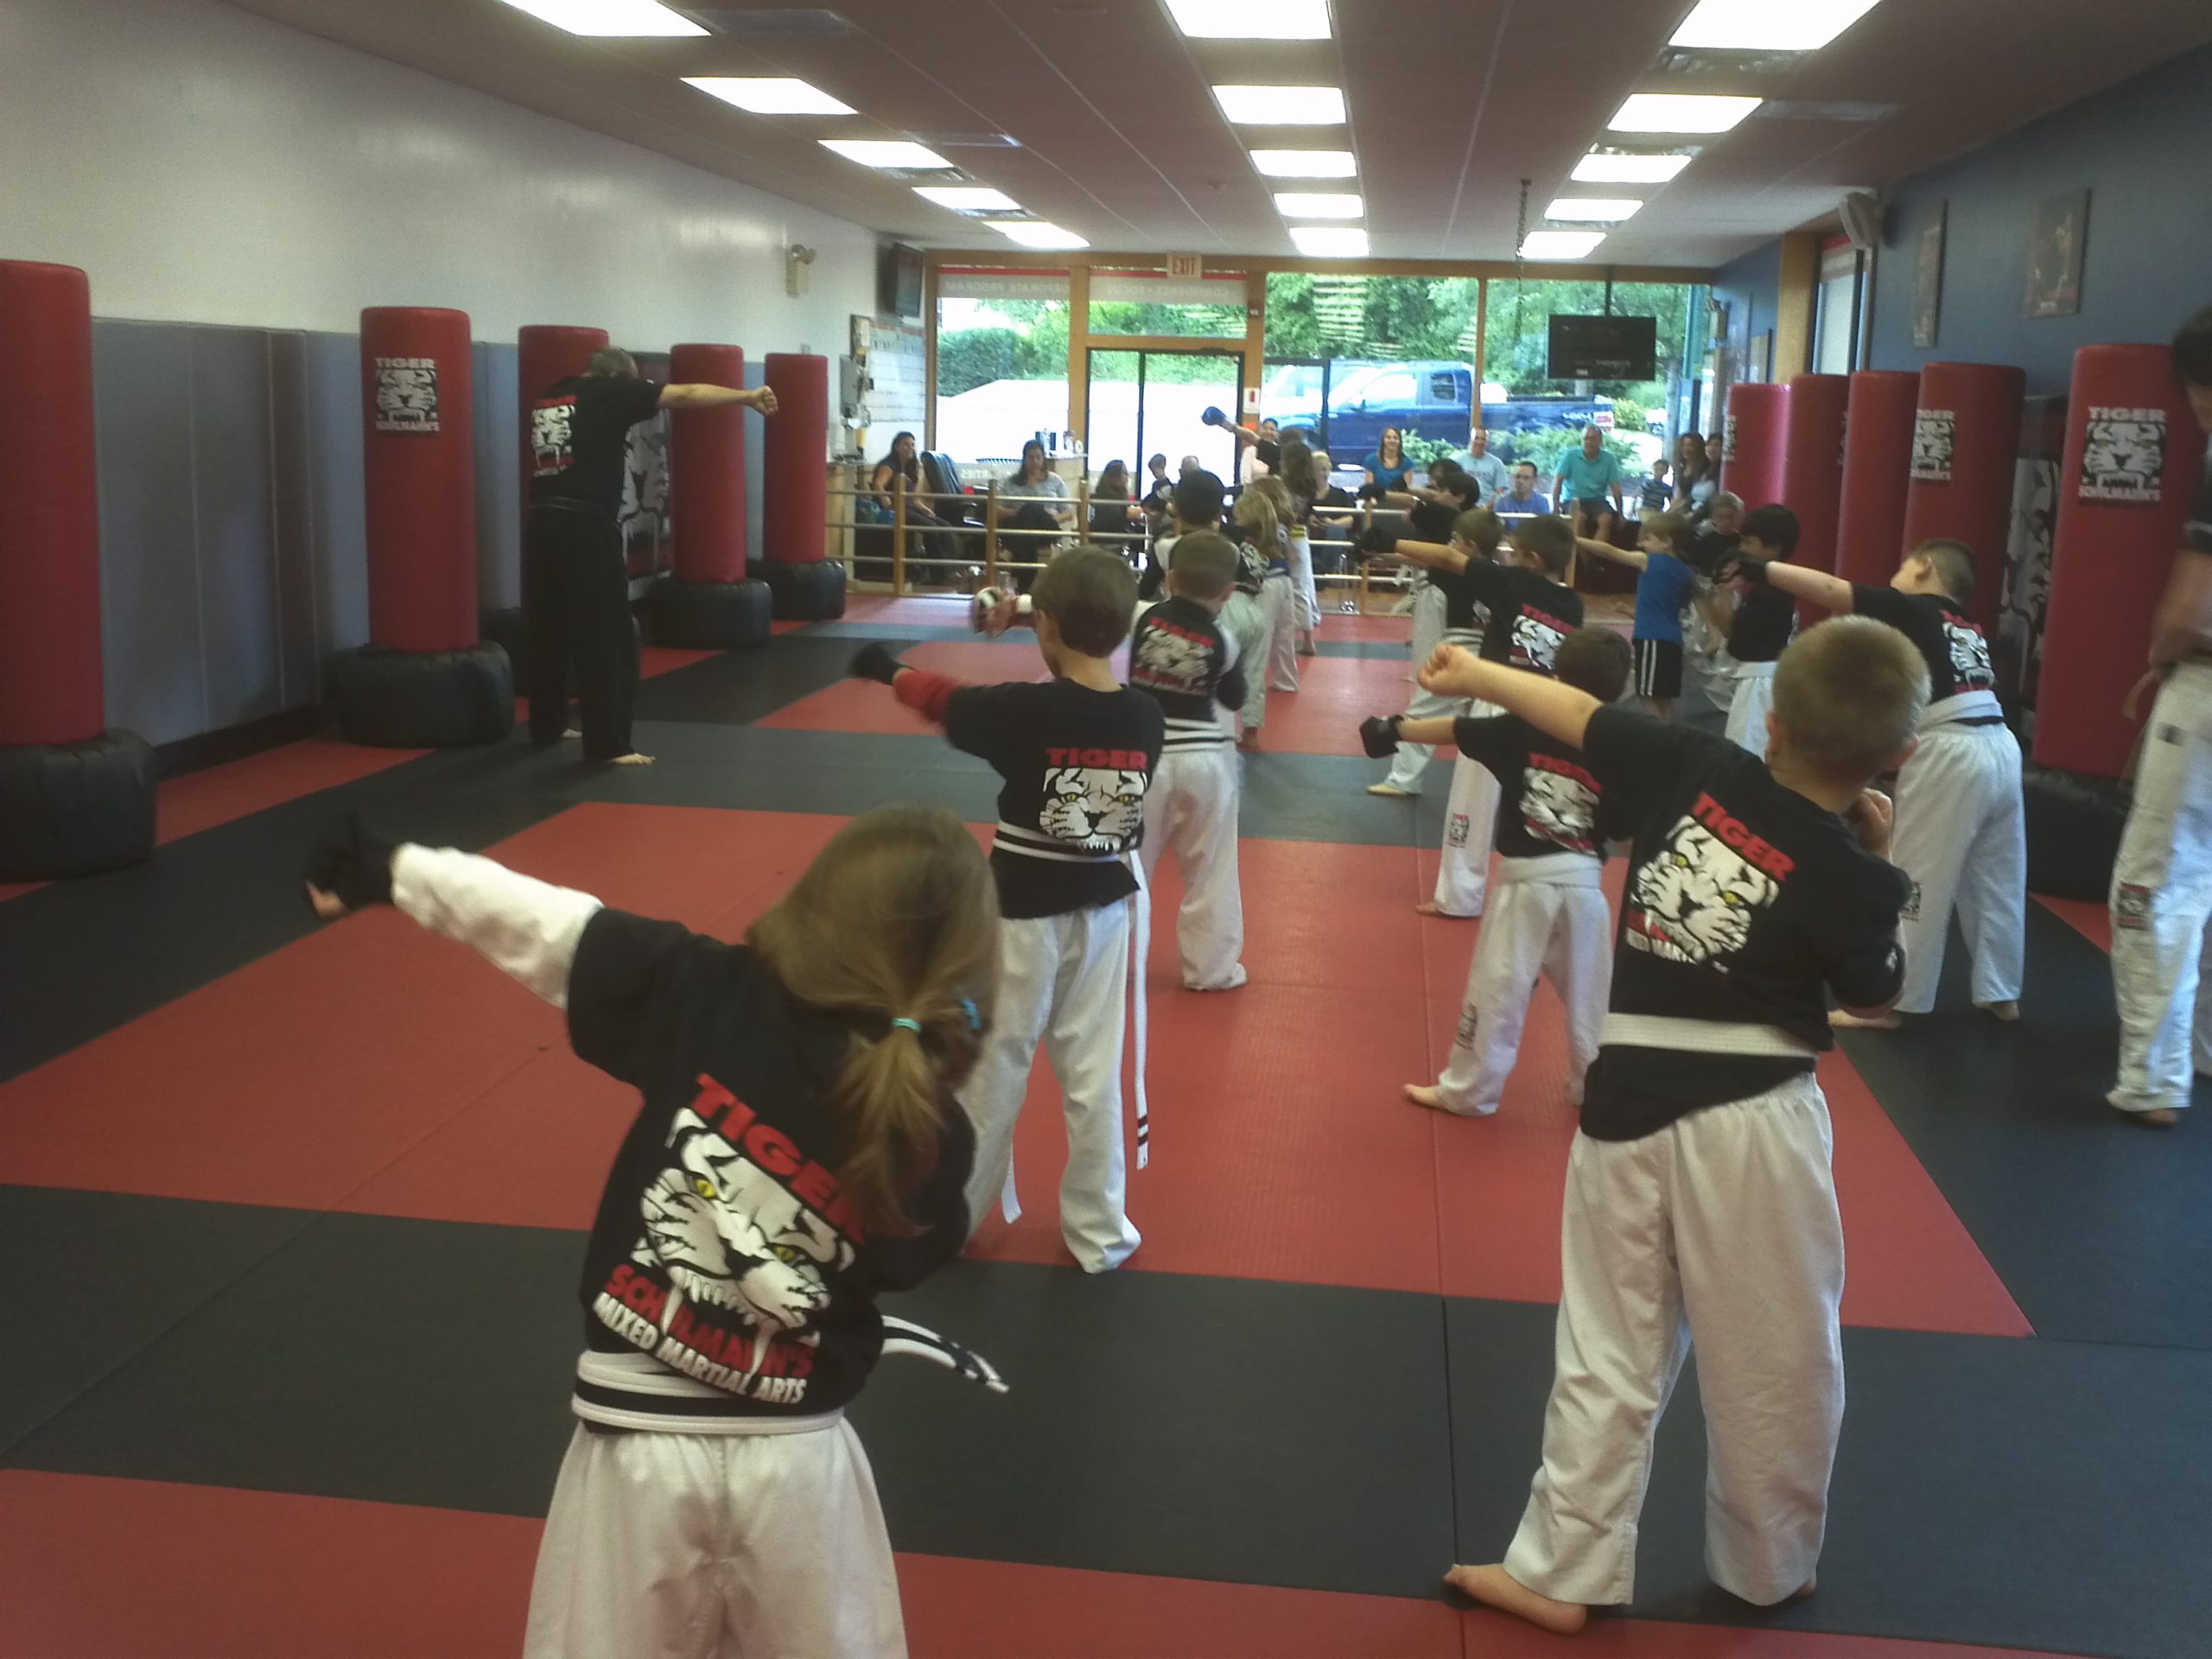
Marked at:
<point>1256,514</point>
<point>895,928</point>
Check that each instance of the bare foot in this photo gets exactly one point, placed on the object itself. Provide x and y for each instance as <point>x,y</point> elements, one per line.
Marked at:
<point>1249,742</point>
<point>1494,1586</point>
<point>1427,907</point>
<point>2003,1013</point>
<point>632,759</point>
<point>571,733</point>
<point>1422,1094</point>
<point>1841,1022</point>
<point>2163,1117</point>
<point>1806,1588</point>
<point>1391,790</point>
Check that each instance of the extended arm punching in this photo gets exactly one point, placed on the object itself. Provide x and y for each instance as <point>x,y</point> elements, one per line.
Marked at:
<point>1556,710</point>
<point>700,394</point>
<point>1817,587</point>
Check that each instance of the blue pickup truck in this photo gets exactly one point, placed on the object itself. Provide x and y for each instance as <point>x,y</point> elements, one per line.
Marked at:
<point>1432,398</point>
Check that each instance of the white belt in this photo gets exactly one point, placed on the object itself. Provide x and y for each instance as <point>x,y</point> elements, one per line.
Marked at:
<point>1701,1037</point>
<point>644,1377</point>
<point>1966,706</point>
<point>1561,869</point>
<point>1754,671</point>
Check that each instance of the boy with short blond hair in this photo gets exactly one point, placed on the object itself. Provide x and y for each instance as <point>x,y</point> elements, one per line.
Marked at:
<point>1664,583</point>
<point>1699,1200</point>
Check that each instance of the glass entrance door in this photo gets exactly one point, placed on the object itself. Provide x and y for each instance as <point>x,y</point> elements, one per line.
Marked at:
<point>1147,403</point>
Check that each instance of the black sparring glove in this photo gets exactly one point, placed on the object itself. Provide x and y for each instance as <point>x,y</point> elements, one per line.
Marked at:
<point>873,661</point>
<point>352,862</point>
<point>1379,736</point>
<point>1375,539</point>
<point>1742,566</point>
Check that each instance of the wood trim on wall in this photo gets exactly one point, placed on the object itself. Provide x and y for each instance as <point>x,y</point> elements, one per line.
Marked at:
<point>1797,295</point>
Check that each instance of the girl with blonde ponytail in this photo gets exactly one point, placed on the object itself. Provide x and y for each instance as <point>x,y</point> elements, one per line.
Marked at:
<point>798,1152</point>
<point>1264,512</point>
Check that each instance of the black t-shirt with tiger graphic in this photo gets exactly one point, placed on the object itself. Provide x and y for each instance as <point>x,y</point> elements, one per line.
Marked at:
<point>1530,615</point>
<point>579,438</point>
<point>1745,905</point>
<point>1179,656</point>
<point>725,1246</point>
<point>1548,802</point>
<point>1948,639</point>
<point>1076,764</point>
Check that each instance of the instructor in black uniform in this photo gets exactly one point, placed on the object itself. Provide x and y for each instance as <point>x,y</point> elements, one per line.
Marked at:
<point>576,588</point>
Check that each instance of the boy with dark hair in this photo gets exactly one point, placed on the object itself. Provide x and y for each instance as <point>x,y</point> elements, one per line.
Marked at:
<point>1475,535</point>
<point>1700,1200</point>
<point>2162,881</point>
<point>1961,830</point>
<point>1076,754</point>
<point>1549,915</point>
<point>1664,583</point>
<point>1758,624</point>
<point>1180,656</point>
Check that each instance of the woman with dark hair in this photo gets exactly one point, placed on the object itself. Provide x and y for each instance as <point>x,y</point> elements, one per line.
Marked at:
<point>1386,463</point>
<point>903,461</point>
<point>1033,499</point>
<point>1112,512</point>
<point>1695,479</point>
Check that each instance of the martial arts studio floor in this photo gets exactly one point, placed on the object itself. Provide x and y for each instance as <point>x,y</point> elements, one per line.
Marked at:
<point>294,1215</point>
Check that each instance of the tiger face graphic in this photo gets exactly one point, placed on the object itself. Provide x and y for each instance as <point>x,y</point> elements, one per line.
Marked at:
<point>1970,666</point>
<point>1694,901</point>
<point>1170,660</point>
<point>1535,641</point>
<point>1557,808</point>
<point>728,1234</point>
<point>1093,807</point>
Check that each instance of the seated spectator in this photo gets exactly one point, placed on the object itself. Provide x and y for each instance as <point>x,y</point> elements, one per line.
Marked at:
<point>1157,492</point>
<point>1386,464</point>
<point>1035,499</point>
<point>1589,484</point>
<point>1112,513</point>
<point>904,460</point>
<point>1522,498</point>
<point>1332,525</point>
<point>1487,470</point>
<point>1654,494</point>
<point>1695,478</point>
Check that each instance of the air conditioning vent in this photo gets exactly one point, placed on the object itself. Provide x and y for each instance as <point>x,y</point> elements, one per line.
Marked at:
<point>1802,109</point>
<point>944,141</point>
<point>767,20</point>
<point>1696,64</point>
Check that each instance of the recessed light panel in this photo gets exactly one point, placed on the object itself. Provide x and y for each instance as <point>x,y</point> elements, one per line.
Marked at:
<point>1615,167</point>
<point>1768,25</point>
<point>609,17</point>
<point>1305,163</point>
<point>1241,20</point>
<point>1680,112</point>
<point>1560,245</point>
<point>886,152</point>
<point>1318,204</point>
<point>968,198</point>
<point>1036,233</point>
<point>1330,241</point>
<point>1282,106</point>
<point>1593,210</point>
<point>769,94</point>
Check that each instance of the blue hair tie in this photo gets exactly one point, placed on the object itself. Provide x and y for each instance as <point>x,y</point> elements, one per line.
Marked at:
<point>975,1014</point>
<point>914,1026</point>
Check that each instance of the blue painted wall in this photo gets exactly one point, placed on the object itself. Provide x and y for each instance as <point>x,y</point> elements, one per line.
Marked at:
<point>1751,288</point>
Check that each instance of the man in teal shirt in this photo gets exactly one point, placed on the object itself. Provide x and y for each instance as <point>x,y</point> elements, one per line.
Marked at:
<point>1584,480</point>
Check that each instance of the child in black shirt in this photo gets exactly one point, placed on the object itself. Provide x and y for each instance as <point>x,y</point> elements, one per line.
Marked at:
<point>1962,832</point>
<point>1548,916</point>
<point>1758,624</point>
<point>1699,1201</point>
<point>1077,755</point>
<point>1459,617</point>
<point>796,1151</point>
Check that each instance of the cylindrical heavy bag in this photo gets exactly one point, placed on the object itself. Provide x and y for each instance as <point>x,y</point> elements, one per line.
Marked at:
<point>1750,444</point>
<point>706,462</point>
<point>1812,463</point>
<point>2129,481</point>
<point>794,504</point>
<point>1877,467</point>
<point>50,689</point>
<point>419,476</point>
<point>1965,443</point>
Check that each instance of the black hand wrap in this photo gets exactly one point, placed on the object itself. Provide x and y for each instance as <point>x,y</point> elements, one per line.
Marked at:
<point>353,861</point>
<point>1375,539</point>
<point>1379,736</point>
<point>873,661</point>
<point>1742,566</point>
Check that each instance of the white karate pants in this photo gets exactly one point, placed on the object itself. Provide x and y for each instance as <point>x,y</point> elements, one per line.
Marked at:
<point>1429,608</point>
<point>1961,836</point>
<point>716,1546</point>
<point>1301,576</point>
<point>1246,623</point>
<point>2162,902</point>
<point>1747,709</point>
<point>1063,982</point>
<point>1411,761</point>
<point>1559,927</point>
<point>1191,809</point>
<point>1279,604</point>
<point>1721,1230</point>
<point>1469,826</point>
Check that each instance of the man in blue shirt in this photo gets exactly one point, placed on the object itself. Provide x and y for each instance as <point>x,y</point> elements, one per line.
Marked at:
<point>1476,462</point>
<point>1524,498</point>
<point>1586,479</point>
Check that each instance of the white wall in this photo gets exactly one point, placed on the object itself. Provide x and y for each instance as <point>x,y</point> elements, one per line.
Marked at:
<point>206,165</point>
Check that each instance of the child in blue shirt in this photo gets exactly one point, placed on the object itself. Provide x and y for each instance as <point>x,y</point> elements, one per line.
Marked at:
<point>1662,593</point>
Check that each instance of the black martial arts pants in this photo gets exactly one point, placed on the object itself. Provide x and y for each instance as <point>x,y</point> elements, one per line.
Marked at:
<point>575,597</point>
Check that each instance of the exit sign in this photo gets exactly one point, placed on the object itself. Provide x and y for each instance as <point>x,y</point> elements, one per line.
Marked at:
<point>1186,267</point>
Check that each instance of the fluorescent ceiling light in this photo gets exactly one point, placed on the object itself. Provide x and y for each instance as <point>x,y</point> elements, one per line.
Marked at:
<point>1559,245</point>
<point>1330,241</point>
<point>1282,106</point>
<point>1318,204</point>
<point>1603,167</point>
<point>886,152</point>
<point>1680,112</point>
<point>1768,25</point>
<point>609,16</point>
<point>1036,233</point>
<point>1240,20</point>
<point>1305,163</point>
<point>769,94</point>
<point>966,198</point>
<point>1593,210</point>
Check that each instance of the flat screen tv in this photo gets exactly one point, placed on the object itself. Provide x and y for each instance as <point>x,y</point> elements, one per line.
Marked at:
<point>1603,348</point>
<point>899,282</point>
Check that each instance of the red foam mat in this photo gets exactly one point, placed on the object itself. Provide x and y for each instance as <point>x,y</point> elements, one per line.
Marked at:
<point>2091,920</point>
<point>1334,695</point>
<point>864,706</point>
<point>131,1569</point>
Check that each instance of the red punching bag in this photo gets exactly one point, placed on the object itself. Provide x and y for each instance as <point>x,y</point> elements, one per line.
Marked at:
<point>707,464</point>
<point>1812,463</point>
<point>1877,467</point>
<point>2129,480</point>
<point>50,687</point>
<point>546,353</point>
<point>1750,446</point>
<point>1966,445</point>
<point>794,501</point>
<point>418,441</point>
